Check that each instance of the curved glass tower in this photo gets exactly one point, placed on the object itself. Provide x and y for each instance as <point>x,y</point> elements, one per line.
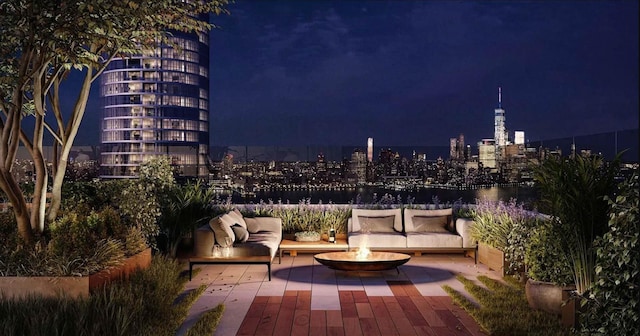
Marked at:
<point>157,103</point>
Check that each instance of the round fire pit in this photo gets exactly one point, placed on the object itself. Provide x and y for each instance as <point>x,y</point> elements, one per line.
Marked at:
<point>352,261</point>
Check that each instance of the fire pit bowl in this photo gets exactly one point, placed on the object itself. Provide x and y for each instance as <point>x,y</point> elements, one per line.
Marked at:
<point>354,261</point>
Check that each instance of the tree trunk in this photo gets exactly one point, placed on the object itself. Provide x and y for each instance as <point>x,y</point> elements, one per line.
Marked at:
<point>68,135</point>
<point>18,205</point>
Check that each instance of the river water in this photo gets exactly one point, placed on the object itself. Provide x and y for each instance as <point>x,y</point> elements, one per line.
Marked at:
<point>367,194</point>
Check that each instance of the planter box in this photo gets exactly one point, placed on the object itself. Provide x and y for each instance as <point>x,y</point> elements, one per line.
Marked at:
<point>11,287</point>
<point>492,258</point>
<point>553,299</point>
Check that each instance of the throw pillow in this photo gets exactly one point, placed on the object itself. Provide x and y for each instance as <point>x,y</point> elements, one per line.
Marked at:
<point>221,227</point>
<point>237,216</point>
<point>376,224</point>
<point>252,225</point>
<point>436,224</point>
<point>242,235</point>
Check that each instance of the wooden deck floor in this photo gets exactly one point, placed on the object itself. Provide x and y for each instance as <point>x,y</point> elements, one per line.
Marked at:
<point>407,312</point>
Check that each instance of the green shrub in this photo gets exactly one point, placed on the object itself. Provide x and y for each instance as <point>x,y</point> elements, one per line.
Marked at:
<point>613,303</point>
<point>544,257</point>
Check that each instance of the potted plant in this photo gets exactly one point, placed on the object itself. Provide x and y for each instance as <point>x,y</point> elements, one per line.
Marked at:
<point>573,192</point>
<point>548,270</point>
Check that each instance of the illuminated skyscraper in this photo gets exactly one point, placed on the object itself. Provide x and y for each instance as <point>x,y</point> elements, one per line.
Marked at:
<point>370,149</point>
<point>500,131</point>
<point>157,103</point>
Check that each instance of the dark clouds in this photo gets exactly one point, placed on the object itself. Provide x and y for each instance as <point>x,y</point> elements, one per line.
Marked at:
<point>420,72</point>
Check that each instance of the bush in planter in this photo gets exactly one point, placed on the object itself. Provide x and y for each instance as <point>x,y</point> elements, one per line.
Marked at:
<point>303,216</point>
<point>572,191</point>
<point>544,258</point>
<point>505,226</point>
<point>613,303</point>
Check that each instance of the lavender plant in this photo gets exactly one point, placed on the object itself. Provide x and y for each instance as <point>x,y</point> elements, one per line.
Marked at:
<point>506,226</point>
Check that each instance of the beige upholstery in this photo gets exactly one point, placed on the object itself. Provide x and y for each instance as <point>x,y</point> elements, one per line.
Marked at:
<point>263,232</point>
<point>433,240</point>
<point>463,228</point>
<point>414,229</point>
<point>377,239</point>
<point>221,227</point>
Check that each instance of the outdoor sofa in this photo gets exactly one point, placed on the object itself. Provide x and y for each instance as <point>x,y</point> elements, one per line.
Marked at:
<point>261,233</point>
<point>414,230</point>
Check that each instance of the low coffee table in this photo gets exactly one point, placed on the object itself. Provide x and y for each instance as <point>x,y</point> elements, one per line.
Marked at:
<point>351,261</point>
<point>241,255</point>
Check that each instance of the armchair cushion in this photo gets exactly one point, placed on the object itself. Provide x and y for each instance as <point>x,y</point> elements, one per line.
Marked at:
<point>221,227</point>
<point>241,233</point>
<point>237,216</point>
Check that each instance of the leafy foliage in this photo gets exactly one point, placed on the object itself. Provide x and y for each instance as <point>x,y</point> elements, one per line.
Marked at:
<point>188,206</point>
<point>572,192</point>
<point>79,244</point>
<point>613,306</point>
<point>41,44</point>
<point>545,259</point>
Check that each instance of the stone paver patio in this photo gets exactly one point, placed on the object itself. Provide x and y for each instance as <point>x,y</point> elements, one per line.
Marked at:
<point>306,298</point>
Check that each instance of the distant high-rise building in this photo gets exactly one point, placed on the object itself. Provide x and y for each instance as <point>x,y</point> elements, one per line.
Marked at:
<point>370,149</point>
<point>460,147</point>
<point>453,151</point>
<point>500,131</point>
<point>457,148</point>
<point>487,153</point>
<point>359,165</point>
<point>519,138</point>
<point>157,104</point>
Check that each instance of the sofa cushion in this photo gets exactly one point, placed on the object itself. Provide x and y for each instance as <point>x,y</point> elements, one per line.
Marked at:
<point>431,223</point>
<point>236,215</point>
<point>376,224</point>
<point>221,226</point>
<point>410,213</point>
<point>355,213</point>
<point>430,239</point>
<point>242,235</point>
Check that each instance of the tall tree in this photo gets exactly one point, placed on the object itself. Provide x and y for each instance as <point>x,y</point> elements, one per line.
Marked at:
<point>41,43</point>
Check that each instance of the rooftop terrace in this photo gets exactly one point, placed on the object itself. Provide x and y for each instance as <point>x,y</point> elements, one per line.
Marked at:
<point>307,298</point>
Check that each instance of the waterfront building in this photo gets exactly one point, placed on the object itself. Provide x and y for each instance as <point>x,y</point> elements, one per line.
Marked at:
<point>487,153</point>
<point>157,103</point>
<point>359,166</point>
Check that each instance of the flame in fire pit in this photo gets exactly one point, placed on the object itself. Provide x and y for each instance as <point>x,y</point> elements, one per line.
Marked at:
<point>363,253</point>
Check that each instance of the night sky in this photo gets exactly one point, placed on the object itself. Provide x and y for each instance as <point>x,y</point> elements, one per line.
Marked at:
<point>293,73</point>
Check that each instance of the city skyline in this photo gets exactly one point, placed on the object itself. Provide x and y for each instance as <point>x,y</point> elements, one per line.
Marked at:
<point>417,73</point>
